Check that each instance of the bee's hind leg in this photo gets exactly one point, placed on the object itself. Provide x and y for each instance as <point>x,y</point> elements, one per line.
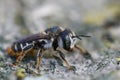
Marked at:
<point>19,59</point>
<point>21,55</point>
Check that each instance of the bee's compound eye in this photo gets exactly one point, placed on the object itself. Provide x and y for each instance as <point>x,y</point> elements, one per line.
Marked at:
<point>67,40</point>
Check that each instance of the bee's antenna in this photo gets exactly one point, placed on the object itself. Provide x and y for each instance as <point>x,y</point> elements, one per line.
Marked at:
<point>79,36</point>
<point>83,36</point>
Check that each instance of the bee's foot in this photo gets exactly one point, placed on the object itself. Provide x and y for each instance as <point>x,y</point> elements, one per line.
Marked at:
<point>38,69</point>
<point>87,55</point>
<point>14,64</point>
<point>73,68</point>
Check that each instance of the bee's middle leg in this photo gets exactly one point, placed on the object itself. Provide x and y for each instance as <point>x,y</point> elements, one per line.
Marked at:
<point>39,58</point>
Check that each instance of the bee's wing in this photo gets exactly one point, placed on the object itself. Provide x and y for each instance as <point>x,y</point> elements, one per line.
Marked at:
<point>32,38</point>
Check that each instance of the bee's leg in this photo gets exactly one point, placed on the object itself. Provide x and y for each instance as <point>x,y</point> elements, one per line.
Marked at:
<point>59,61</point>
<point>62,57</point>
<point>22,54</point>
<point>84,52</point>
<point>39,57</point>
<point>19,58</point>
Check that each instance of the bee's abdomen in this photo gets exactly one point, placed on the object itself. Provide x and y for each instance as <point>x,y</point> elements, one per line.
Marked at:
<point>18,47</point>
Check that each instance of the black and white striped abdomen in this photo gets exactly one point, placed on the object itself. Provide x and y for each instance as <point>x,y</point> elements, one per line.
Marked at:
<point>17,47</point>
<point>39,44</point>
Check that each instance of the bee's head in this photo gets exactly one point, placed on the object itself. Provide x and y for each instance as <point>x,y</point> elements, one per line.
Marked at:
<point>68,39</point>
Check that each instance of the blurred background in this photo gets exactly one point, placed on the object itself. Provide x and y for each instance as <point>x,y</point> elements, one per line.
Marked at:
<point>98,18</point>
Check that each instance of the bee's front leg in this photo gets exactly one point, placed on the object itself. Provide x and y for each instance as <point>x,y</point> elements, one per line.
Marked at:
<point>39,57</point>
<point>62,57</point>
<point>84,52</point>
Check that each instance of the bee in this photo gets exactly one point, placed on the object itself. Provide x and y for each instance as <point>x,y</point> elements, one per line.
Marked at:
<point>56,38</point>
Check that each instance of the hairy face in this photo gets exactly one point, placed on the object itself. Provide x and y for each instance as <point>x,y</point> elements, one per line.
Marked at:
<point>72,39</point>
<point>68,39</point>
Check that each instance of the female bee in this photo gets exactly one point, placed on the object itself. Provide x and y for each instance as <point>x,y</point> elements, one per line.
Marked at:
<point>55,37</point>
